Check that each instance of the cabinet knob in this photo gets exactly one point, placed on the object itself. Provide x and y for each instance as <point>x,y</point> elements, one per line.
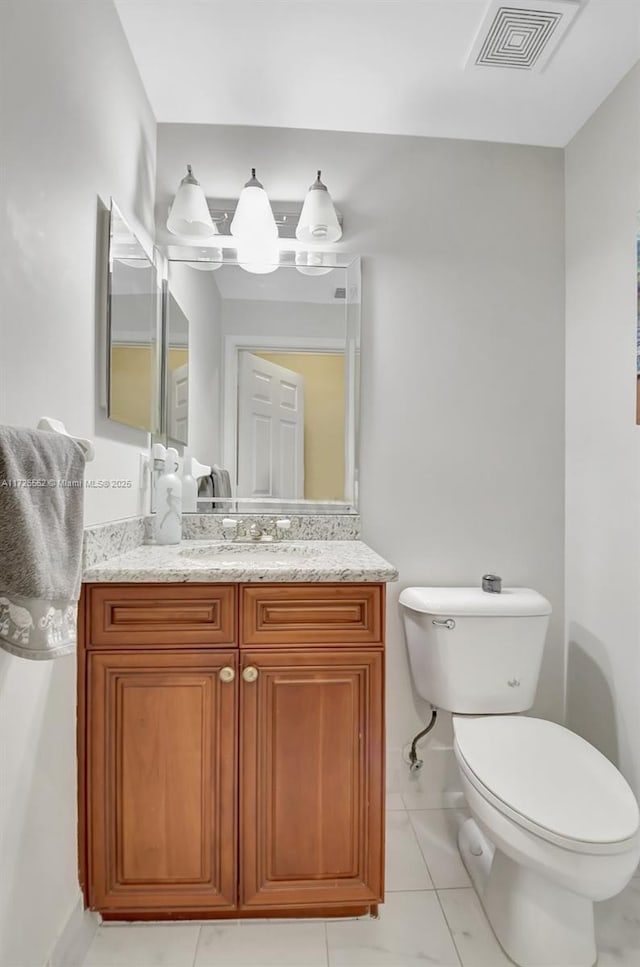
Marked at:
<point>227,674</point>
<point>250,674</point>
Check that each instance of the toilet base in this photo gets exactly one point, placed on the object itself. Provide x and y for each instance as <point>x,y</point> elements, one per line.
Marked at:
<point>537,923</point>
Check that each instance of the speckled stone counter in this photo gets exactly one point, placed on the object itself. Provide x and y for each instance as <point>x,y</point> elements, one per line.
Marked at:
<point>224,562</point>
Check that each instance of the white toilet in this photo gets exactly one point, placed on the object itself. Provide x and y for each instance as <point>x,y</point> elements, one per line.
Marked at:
<point>555,826</point>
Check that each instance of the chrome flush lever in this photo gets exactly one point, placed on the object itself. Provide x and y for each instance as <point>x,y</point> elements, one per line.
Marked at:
<point>444,623</point>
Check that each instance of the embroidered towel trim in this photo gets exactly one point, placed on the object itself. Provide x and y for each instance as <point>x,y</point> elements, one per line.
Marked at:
<point>41,527</point>
<point>37,628</point>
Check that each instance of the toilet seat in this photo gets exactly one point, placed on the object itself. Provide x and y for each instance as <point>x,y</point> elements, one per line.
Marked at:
<point>548,780</point>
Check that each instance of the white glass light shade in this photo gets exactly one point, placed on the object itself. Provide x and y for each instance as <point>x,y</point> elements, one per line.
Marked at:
<point>205,266</point>
<point>258,257</point>
<point>203,260</point>
<point>133,263</point>
<point>315,263</point>
<point>318,220</point>
<point>189,214</point>
<point>253,219</point>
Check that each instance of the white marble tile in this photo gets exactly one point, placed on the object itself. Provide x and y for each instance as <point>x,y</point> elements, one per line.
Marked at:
<point>394,801</point>
<point>153,945</point>
<point>411,932</point>
<point>437,832</point>
<point>618,928</point>
<point>405,866</point>
<point>263,945</point>
<point>472,935</point>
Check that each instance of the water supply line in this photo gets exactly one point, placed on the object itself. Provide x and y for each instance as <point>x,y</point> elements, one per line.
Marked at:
<point>414,762</point>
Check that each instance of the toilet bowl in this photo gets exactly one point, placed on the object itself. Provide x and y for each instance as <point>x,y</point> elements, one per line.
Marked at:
<point>554,825</point>
<point>550,797</point>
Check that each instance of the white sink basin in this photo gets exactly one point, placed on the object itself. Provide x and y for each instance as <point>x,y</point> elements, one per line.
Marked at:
<point>263,552</point>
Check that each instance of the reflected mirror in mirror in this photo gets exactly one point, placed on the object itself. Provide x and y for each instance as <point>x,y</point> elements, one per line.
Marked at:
<point>132,329</point>
<point>638,317</point>
<point>273,382</point>
<point>176,371</point>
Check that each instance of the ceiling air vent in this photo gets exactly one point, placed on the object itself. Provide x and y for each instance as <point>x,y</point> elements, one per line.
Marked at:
<point>522,35</point>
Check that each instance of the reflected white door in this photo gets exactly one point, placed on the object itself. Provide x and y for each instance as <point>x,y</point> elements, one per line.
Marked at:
<point>270,429</point>
<point>178,417</point>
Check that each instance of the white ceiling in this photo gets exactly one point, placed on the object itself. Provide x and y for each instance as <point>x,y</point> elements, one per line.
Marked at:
<point>381,66</point>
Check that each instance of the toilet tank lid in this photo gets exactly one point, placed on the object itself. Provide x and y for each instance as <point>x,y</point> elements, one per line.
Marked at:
<point>474,602</point>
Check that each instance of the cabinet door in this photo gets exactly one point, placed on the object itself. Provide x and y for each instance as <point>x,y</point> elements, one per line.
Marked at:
<point>162,779</point>
<point>312,778</point>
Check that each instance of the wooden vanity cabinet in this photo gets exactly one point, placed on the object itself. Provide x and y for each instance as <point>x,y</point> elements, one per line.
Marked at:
<point>162,780</point>
<point>231,749</point>
<point>311,778</point>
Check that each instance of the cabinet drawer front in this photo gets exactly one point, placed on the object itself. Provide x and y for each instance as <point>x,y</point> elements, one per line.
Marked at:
<point>159,615</point>
<point>319,614</point>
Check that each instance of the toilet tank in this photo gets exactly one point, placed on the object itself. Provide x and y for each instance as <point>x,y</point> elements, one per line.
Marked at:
<point>475,652</point>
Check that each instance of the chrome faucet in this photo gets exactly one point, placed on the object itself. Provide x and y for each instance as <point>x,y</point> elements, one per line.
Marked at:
<point>242,532</point>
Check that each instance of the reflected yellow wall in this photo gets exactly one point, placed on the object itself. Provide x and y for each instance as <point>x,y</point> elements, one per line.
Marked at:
<point>323,420</point>
<point>132,369</point>
<point>132,376</point>
<point>177,358</point>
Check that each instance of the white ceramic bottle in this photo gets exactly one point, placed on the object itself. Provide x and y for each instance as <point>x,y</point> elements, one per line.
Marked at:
<point>168,529</point>
<point>192,470</point>
<point>189,488</point>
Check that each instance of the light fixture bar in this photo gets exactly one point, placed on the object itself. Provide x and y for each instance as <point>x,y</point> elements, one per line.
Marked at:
<point>286,216</point>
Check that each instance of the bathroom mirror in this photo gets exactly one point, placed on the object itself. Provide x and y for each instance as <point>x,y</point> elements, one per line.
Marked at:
<point>132,329</point>
<point>638,317</point>
<point>273,378</point>
<point>176,370</point>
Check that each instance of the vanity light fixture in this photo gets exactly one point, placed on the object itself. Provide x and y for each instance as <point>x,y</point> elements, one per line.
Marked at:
<point>203,260</point>
<point>259,257</point>
<point>189,213</point>
<point>255,229</point>
<point>133,263</point>
<point>318,219</point>
<point>315,263</point>
<point>205,265</point>
<point>253,219</point>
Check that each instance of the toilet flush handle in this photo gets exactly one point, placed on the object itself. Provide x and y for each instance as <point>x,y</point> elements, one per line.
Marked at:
<point>444,623</point>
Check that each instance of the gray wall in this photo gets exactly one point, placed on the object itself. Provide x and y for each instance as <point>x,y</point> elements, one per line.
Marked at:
<point>603,441</point>
<point>462,452</point>
<point>76,128</point>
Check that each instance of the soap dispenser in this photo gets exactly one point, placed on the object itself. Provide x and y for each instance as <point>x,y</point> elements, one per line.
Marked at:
<point>168,529</point>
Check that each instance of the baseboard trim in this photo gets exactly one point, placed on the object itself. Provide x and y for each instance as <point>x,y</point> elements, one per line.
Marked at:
<point>74,940</point>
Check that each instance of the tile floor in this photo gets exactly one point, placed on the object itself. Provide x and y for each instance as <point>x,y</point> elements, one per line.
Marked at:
<point>431,918</point>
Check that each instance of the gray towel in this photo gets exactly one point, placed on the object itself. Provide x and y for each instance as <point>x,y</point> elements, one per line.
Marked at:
<point>41,520</point>
<point>222,481</point>
<point>218,484</point>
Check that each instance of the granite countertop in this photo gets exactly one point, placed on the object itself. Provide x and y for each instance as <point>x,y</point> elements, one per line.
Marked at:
<point>224,562</point>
